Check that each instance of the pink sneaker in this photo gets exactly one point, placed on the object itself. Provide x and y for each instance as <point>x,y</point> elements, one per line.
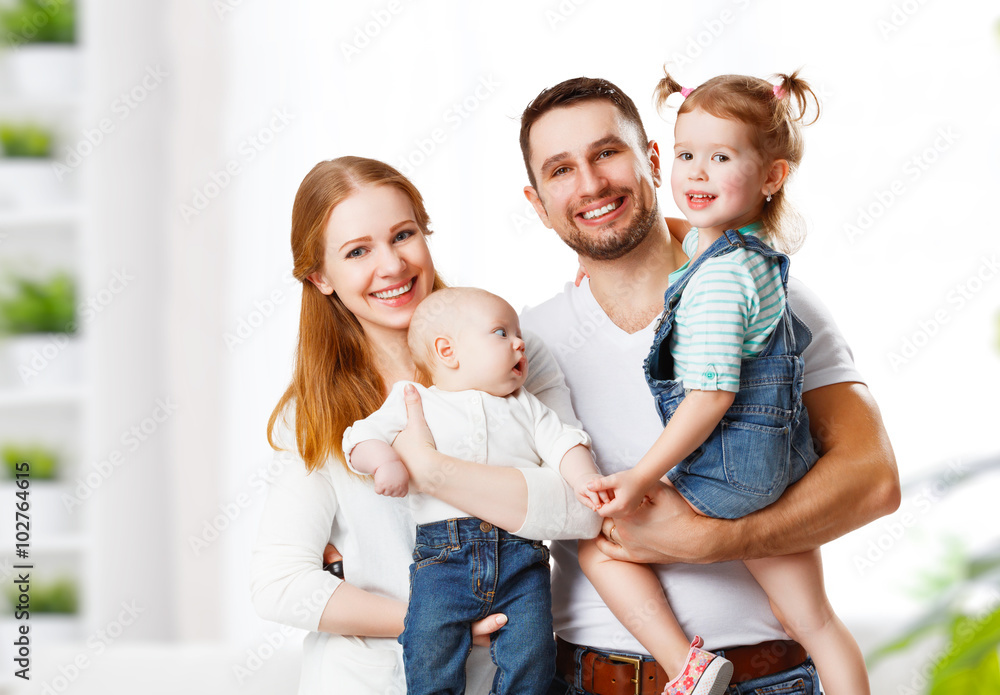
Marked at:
<point>705,673</point>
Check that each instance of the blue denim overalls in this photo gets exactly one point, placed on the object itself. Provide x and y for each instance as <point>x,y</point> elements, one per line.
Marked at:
<point>763,443</point>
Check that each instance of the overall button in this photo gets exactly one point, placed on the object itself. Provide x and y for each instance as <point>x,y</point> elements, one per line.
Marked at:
<point>485,526</point>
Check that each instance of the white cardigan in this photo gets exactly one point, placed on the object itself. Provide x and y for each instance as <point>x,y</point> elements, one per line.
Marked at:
<point>375,535</point>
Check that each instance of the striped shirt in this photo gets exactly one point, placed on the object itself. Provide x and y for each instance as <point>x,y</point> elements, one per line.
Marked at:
<point>726,314</point>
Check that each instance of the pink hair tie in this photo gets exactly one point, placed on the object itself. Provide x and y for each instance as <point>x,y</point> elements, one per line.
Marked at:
<point>778,91</point>
<point>685,91</point>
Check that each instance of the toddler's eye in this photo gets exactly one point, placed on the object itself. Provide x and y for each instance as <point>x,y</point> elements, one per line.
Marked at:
<point>720,158</point>
<point>502,332</point>
<point>685,156</point>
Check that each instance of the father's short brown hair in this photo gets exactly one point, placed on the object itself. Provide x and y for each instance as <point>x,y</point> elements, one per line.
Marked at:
<point>568,93</point>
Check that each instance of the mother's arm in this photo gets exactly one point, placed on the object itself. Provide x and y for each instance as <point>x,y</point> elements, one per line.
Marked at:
<point>288,584</point>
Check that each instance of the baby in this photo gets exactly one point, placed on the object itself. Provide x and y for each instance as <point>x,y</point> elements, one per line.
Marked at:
<point>468,342</point>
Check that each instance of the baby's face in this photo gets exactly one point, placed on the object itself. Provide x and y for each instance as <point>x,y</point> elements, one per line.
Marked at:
<point>490,349</point>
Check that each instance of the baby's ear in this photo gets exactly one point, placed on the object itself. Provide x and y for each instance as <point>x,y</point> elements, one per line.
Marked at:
<point>444,352</point>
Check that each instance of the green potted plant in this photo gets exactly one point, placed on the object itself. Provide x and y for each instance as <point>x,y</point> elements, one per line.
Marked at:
<point>27,178</point>
<point>43,461</point>
<point>41,38</point>
<point>28,140</point>
<point>58,596</point>
<point>38,306</point>
<point>47,489</point>
<point>37,327</point>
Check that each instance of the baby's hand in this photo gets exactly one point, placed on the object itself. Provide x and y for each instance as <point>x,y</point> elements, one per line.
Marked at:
<point>593,499</point>
<point>626,490</point>
<point>392,479</point>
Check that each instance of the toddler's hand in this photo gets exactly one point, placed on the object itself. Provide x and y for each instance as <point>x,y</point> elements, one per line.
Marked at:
<point>592,499</point>
<point>626,490</point>
<point>392,479</point>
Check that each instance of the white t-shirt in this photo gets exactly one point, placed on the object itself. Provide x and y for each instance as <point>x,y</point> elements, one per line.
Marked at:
<point>518,431</point>
<point>603,369</point>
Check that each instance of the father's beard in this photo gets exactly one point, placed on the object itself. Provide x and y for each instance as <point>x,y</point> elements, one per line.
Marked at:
<point>602,244</point>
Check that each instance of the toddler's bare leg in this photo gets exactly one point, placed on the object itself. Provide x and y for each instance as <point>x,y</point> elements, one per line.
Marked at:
<point>633,593</point>
<point>794,584</point>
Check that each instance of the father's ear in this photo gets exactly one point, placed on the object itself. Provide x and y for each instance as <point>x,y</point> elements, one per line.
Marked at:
<point>536,202</point>
<point>653,154</point>
<point>444,352</point>
<point>320,282</point>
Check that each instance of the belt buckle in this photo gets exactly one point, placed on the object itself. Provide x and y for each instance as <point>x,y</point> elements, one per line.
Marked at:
<point>636,663</point>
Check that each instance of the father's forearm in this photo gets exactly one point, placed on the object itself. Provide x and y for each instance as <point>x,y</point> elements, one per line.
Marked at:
<point>854,482</point>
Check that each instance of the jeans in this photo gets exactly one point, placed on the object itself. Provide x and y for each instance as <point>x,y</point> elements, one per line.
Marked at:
<point>800,680</point>
<point>462,571</point>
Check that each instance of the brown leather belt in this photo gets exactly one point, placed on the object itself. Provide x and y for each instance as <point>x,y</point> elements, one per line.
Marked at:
<point>613,673</point>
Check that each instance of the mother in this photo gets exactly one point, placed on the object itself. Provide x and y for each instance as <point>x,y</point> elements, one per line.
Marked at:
<point>359,231</point>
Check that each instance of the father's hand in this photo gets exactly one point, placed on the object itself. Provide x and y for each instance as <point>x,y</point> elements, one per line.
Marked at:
<point>664,529</point>
<point>415,442</point>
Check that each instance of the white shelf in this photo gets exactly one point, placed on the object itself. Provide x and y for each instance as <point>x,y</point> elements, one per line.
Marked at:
<point>18,106</point>
<point>15,398</point>
<point>11,219</point>
<point>50,545</point>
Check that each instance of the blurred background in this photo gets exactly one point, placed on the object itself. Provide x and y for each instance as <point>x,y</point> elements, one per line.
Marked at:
<point>150,155</point>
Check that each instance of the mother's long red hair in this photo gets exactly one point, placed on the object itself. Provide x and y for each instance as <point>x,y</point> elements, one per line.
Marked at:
<point>335,380</point>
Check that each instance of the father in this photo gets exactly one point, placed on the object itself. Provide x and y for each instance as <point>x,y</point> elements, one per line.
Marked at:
<point>593,175</point>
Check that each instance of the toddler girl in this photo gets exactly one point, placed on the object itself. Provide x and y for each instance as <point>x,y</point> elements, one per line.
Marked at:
<point>726,373</point>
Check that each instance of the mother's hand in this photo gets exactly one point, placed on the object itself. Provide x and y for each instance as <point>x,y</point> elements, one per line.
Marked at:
<point>664,529</point>
<point>415,443</point>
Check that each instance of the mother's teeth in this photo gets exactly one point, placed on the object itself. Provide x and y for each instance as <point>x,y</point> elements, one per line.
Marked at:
<point>600,211</point>
<point>396,292</point>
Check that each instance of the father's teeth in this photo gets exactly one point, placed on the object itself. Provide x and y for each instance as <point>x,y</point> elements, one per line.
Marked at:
<point>394,293</point>
<point>600,211</point>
